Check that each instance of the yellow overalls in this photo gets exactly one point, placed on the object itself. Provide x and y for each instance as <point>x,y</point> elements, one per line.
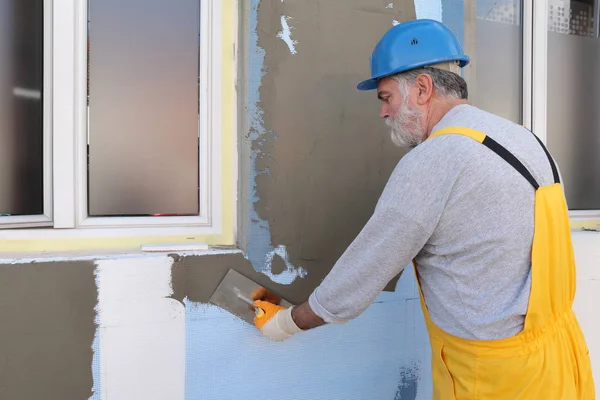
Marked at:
<point>549,359</point>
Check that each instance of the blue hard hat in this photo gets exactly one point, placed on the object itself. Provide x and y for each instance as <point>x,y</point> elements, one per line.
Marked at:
<point>411,45</point>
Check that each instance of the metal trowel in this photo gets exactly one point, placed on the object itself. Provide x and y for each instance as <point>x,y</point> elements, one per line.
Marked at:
<point>234,295</point>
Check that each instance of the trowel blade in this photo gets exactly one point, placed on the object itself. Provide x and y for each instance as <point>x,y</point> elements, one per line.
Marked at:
<point>226,295</point>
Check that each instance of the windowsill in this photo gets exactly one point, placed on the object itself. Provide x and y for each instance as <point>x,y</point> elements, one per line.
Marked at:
<point>586,227</point>
<point>40,241</point>
<point>88,255</point>
<point>108,232</point>
<point>584,220</point>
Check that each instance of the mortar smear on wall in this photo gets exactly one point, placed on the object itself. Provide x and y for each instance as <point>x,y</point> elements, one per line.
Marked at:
<point>286,35</point>
<point>289,275</point>
<point>260,250</point>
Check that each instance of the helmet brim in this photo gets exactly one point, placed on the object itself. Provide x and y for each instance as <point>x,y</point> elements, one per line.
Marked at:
<point>368,84</point>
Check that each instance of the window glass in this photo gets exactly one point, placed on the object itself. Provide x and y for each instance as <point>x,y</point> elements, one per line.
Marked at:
<point>491,33</point>
<point>21,109</point>
<point>499,58</point>
<point>143,107</point>
<point>574,99</point>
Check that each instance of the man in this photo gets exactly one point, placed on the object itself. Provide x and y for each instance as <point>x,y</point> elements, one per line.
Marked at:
<point>478,206</point>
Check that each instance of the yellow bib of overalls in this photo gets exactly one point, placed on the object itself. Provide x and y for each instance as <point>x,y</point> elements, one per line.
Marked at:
<point>549,359</point>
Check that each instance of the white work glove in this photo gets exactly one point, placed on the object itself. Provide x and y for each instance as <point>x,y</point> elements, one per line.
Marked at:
<point>276,323</point>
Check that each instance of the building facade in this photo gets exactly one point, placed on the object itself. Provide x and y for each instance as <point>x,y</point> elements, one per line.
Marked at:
<point>149,146</point>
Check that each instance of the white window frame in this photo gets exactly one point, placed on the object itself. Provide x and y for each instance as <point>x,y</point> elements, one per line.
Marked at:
<point>65,136</point>
<point>527,21</point>
<point>539,85</point>
<point>539,67</point>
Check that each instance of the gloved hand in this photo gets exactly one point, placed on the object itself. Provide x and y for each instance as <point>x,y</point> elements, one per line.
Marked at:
<point>276,323</point>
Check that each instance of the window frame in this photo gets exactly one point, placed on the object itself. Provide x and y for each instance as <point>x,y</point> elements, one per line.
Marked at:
<point>65,136</point>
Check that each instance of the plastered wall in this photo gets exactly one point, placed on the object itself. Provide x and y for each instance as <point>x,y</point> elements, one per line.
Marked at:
<point>47,313</point>
<point>139,327</point>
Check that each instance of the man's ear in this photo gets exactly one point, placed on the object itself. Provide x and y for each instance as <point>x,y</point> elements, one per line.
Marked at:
<point>424,85</point>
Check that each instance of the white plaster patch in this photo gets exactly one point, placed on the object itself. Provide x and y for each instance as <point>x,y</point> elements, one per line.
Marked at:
<point>141,330</point>
<point>289,275</point>
<point>395,22</point>
<point>286,34</point>
<point>391,5</point>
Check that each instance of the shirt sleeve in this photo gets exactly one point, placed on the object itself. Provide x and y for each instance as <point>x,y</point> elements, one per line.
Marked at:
<point>404,219</point>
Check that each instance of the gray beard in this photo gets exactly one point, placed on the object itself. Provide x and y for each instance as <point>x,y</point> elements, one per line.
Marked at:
<point>405,129</point>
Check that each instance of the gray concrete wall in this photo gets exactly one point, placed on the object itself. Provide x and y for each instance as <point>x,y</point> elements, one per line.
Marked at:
<point>317,154</point>
<point>96,329</point>
<point>47,326</point>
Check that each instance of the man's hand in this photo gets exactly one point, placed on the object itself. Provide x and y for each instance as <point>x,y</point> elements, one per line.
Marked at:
<point>279,323</point>
<point>276,323</point>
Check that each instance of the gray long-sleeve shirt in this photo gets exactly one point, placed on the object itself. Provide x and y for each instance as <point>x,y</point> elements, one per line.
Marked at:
<point>466,216</point>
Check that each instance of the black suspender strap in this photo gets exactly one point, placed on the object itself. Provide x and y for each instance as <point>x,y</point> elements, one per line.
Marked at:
<point>552,163</point>
<point>511,159</point>
<point>501,151</point>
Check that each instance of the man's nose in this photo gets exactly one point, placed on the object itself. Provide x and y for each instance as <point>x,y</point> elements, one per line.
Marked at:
<point>384,112</point>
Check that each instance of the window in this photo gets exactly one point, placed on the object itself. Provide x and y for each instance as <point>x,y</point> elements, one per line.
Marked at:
<point>143,114</point>
<point>111,117</point>
<point>24,176</point>
<point>573,128</point>
<point>493,34</point>
<point>565,98</point>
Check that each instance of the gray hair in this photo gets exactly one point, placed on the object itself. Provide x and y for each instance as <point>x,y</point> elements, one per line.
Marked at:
<point>446,83</point>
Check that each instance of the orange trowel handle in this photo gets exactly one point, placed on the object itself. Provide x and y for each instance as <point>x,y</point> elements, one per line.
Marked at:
<point>259,312</point>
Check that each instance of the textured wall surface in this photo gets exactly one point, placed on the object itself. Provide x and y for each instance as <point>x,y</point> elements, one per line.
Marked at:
<point>381,355</point>
<point>157,338</point>
<point>46,330</point>
<point>320,155</point>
